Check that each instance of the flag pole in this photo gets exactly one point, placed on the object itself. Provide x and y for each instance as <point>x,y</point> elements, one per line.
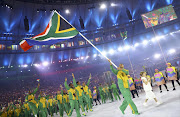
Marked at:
<point>88,41</point>
<point>159,45</point>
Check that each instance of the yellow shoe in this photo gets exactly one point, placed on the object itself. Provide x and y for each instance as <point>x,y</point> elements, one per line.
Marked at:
<point>91,110</point>
<point>84,114</point>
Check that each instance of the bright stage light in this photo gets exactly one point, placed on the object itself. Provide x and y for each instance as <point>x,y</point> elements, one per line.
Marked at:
<point>104,53</point>
<point>171,51</point>
<point>157,56</point>
<point>136,44</point>
<point>120,49</point>
<point>159,37</point>
<point>29,70</point>
<point>95,55</point>
<point>127,47</point>
<point>82,57</point>
<point>103,6</point>
<point>25,65</point>
<point>111,51</point>
<point>153,39</point>
<point>87,57</point>
<point>45,63</point>
<point>36,65</point>
<point>67,11</point>
<point>145,42</point>
<point>112,4</point>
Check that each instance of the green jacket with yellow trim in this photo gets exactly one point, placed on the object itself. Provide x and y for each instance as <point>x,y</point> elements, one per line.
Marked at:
<point>122,75</point>
<point>85,88</point>
<point>71,91</point>
<point>79,88</point>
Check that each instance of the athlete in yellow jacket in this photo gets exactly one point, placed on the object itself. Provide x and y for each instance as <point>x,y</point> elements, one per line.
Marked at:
<point>124,88</point>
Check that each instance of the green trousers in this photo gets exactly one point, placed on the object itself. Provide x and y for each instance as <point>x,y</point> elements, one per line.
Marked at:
<point>33,107</point>
<point>116,94</point>
<point>102,98</point>
<point>81,103</point>
<point>88,102</point>
<point>127,98</point>
<point>43,112</point>
<point>110,96</point>
<point>51,110</point>
<point>74,104</point>
<point>27,113</point>
<point>55,108</point>
<point>61,109</point>
<point>66,107</point>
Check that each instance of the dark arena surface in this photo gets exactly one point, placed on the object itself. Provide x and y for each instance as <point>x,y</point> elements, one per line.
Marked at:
<point>74,58</point>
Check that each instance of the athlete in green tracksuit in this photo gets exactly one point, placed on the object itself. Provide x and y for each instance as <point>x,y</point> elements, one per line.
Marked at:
<point>86,93</point>
<point>101,92</point>
<point>66,101</point>
<point>72,98</point>
<point>115,91</point>
<point>32,102</point>
<point>59,98</point>
<point>124,88</point>
<point>51,105</point>
<point>42,105</point>
<point>26,109</point>
<point>108,90</point>
<point>80,94</point>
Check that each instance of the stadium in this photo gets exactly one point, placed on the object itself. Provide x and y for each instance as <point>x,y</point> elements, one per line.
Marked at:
<point>94,58</point>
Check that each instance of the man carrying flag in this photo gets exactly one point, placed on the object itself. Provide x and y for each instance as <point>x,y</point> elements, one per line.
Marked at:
<point>123,84</point>
<point>56,31</point>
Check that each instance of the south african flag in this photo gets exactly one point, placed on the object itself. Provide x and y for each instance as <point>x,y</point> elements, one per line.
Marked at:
<point>57,30</point>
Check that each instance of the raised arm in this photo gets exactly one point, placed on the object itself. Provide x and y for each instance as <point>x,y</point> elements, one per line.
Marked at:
<point>34,92</point>
<point>66,85</point>
<point>115,71</point>
<point>74,80</point>
<point>61,90</point>
<point>89,80</point>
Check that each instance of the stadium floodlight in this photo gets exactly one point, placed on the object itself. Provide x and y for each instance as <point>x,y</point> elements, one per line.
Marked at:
<point>67,11</point>
<point>145,42</point>
<point>120,49</point>
<point>104,53</point>
<point>103,6</point>
<point>36,65</point>
<point>25,65</point>
<point>127,47</point>
<point>45,63</point>
<point>171,51</point>
<point>111,51</point>
<point>112,4</point>
<point>159,37</point>
<point>136,44</point>
<point>153,39</point>
<point>157,56</point>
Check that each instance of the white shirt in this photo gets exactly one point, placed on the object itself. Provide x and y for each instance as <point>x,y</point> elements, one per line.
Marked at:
<point>148,86</point>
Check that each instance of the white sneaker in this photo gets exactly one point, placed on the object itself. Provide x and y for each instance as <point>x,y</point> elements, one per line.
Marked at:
<point>145,103</point>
